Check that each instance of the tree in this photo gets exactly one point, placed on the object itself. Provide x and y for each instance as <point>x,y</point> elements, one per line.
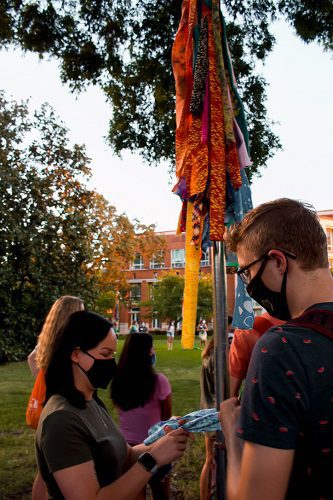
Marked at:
<point>167,298</point>
<point>56,236</point>
<point>43,247</point>
<point>105,303</point>
<point>205,297</point>
<point>114,241</point>
<point>125,47</point>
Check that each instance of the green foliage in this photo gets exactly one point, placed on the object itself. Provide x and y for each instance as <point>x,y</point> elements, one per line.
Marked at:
<point>56,236</point>
<point>167,298</point>
<point>105,303</point>
<point>205,298</point>
<point>43,235</point>
<point>125,47</point>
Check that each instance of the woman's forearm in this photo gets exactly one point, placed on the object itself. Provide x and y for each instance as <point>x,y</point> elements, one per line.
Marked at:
<point>234,451</point>
<point>128,486</point>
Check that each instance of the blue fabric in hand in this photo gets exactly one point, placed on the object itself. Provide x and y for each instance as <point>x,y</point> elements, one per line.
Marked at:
<point>206,420</point>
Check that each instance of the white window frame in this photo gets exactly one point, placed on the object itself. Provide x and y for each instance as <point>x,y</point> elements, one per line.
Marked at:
<point>177,262</point>
<point>137,265</point>
<point>160,262</point>
<point>135,314</point>
<point>156,323</point>
<point>136,299</point>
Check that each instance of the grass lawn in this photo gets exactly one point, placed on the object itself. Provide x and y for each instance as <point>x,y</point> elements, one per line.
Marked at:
<point>17,460</point>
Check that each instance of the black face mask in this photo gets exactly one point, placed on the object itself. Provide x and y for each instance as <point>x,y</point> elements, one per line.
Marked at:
<point>101,372</point>
<point>275,303</point>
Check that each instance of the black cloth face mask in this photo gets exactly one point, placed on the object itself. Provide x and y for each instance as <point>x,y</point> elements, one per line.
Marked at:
<point>101,372</point>
<point>275,303</point>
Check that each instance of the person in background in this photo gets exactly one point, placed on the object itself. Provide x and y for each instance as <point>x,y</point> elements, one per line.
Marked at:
<point>280,439</point>
<point>202,328</point>
<point>242,346</point>
<point>207,400</point>
<point>39,358</point>
<point>141,396</point>
<point>116,328</point>
<point>143,328</point>
<point>170,336</point>
<point>134,327</point>
<point>81,453</point>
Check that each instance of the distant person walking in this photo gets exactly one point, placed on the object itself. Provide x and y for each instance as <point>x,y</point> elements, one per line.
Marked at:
<point>170,336</point>
<point>134,327</point>
<point>143,328</point>
<point>202,328</point>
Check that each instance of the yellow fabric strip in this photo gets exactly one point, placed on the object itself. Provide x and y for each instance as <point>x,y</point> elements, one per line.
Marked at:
<point>192,267</point>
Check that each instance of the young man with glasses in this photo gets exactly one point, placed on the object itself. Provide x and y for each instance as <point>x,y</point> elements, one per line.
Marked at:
<point>280,440</point>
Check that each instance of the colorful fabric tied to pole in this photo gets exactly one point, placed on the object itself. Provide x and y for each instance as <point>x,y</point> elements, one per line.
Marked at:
<point>197,421</point>
<point>212,143</point>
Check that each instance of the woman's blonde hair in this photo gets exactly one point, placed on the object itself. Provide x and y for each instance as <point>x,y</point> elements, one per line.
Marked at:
<point>53,326</point>
<point>210,345</point>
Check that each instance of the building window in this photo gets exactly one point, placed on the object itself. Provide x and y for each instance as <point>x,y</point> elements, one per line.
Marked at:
<point>151,290</point>
<point>135,315</point>
<point>329,234</point>
<point>136,292</point>
<point>331,264</point>
<point>138,262</point>
<point>205,258</point>
<point>157,262</point>
<point>178,258</point>
<point>156,323</point>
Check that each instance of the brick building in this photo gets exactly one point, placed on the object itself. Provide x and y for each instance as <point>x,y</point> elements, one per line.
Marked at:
<point>142,274</point>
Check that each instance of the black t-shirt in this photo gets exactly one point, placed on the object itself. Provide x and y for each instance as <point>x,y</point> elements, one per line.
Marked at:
<point>288,404</point>
<point>68,436</point>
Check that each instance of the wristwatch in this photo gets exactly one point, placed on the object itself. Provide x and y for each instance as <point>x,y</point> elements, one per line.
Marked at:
<point>148,462</point>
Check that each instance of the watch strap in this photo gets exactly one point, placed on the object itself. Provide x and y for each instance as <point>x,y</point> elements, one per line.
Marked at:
<point>141,461</point>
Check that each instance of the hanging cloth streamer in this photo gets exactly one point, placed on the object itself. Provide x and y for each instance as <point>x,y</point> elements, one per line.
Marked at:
<point>192,267</point>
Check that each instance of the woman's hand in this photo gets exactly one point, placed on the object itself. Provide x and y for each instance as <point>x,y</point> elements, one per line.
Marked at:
<point>169,447</point>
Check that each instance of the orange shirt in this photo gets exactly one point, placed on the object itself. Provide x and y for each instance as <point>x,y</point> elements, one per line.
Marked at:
<point>244,341</point>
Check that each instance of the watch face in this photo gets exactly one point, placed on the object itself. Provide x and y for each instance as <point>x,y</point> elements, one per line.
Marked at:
<point>147,461</point>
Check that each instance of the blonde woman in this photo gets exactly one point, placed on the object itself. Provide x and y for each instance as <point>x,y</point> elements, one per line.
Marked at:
<point>40,357</point>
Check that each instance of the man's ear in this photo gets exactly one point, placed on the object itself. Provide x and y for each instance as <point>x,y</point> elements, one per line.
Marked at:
<point>75,355</point>
<point>280,260</point>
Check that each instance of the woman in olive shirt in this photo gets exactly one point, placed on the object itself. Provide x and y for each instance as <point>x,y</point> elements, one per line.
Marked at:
<point>80,452</point>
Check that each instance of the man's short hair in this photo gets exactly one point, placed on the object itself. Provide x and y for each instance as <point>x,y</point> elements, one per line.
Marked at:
<point>285,224</point>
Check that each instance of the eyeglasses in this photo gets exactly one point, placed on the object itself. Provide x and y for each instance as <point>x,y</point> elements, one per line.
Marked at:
<point>244,273</point>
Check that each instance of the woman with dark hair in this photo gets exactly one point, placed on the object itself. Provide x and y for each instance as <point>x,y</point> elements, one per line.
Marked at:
<point>81,454</point>
<point>142,396</point>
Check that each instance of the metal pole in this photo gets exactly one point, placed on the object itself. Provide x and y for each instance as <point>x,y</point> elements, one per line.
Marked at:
<point>220,354</point>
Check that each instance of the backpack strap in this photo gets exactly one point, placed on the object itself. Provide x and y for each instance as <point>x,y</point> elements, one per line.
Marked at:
<point>319,320</point>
